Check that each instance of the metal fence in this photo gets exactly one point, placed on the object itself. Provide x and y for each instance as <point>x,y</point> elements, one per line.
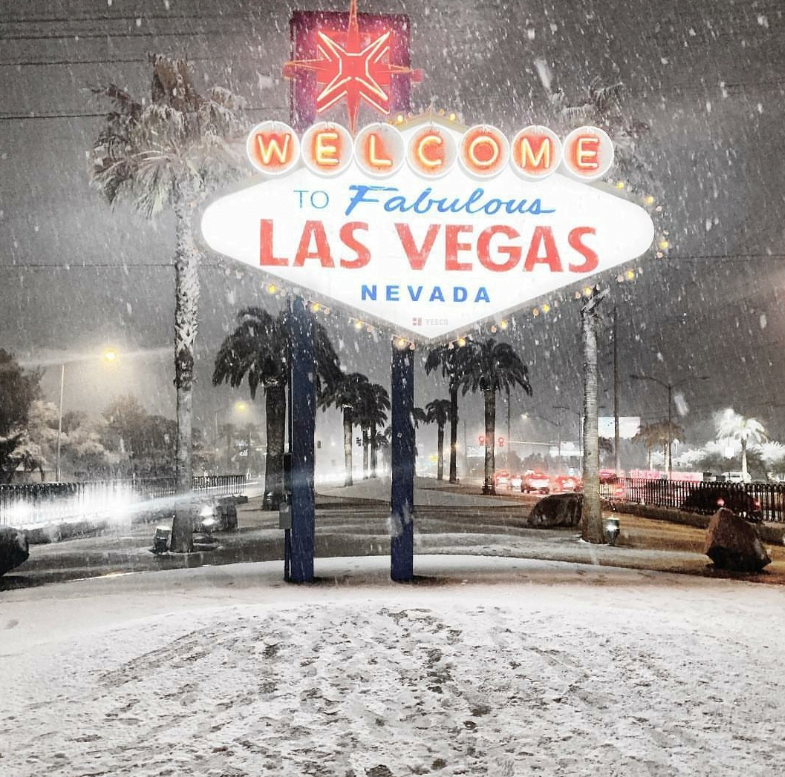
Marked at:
<point>38,504</point>
<point>761,500</point>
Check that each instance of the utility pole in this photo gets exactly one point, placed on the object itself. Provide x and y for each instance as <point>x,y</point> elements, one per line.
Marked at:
<point>670,429</point>
<point>60,421</point>
<point>617,459</point>
<point>465,452</point>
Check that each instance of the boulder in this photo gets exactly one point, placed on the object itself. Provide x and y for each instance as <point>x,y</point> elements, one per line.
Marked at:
<point>13,548</point>
<point>734,543</point>
<point>557,510</point>
<point>226,512</point>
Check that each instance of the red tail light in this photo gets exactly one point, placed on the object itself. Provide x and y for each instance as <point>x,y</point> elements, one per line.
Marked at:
<point>721,502</point>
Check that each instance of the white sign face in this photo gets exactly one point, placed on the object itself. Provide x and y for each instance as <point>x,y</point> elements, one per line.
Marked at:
<point>429,255</point>
<point>629,426</point>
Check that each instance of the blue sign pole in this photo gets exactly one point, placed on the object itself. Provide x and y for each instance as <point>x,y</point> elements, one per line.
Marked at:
<point>402,452</point>
<point>303,425</point>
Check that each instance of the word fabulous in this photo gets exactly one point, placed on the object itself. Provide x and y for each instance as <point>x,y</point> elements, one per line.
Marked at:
<point>430,150</point>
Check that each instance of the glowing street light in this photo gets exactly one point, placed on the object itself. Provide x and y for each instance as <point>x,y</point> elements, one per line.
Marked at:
<point>108,356</point>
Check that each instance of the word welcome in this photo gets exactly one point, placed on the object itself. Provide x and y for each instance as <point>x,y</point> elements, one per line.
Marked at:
<point>431,151</point>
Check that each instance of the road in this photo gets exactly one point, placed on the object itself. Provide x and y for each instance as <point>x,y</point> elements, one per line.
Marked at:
<point>494,526</point>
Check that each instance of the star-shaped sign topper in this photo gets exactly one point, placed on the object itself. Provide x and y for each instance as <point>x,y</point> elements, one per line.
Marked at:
<point>351,71</point>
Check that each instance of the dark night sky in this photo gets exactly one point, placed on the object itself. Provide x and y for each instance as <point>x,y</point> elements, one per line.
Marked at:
<point>707,76</point>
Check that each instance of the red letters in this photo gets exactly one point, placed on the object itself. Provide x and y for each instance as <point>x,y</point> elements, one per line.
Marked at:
<point>591,260</point>
<point>417,256</point>
<point>543,236</point>
<point>315,230</point>
<point>351,242</point>
<point>484,244</point>
<point>452,247</point>
<point>266,257</point>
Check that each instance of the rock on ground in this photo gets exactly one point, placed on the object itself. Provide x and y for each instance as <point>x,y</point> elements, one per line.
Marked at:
<point>14,549</point>
<point>557,510</point>
<point>733,543</point>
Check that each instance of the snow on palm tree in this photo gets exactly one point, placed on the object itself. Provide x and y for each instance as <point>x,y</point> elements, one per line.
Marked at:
<point>345,395</point>
<point>371,414</point>
<point>169,152</point>
<point>451,361</point>
<point>492,367</point>
<point>736,428</point>
<point>659,433</point>
<point>259,351</point>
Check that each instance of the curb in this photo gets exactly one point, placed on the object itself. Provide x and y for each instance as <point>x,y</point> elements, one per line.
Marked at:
<point>770,533</point>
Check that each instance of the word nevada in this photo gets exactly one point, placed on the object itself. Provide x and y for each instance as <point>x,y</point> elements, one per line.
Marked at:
<point>430,150</point>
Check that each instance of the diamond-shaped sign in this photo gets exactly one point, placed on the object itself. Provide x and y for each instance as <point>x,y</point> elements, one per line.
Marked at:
<point>430,257</point>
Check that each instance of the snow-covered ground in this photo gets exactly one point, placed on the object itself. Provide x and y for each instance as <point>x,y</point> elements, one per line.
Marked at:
<point>485,666</point>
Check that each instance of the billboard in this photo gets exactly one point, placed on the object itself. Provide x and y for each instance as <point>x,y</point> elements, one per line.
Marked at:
<point>628,427</point>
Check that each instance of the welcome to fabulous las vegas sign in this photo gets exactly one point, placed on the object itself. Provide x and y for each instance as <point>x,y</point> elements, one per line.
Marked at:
<point>427,228</point>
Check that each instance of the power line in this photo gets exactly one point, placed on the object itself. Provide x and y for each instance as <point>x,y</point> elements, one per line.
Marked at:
<point>101,114</point>
<point>99,265</point>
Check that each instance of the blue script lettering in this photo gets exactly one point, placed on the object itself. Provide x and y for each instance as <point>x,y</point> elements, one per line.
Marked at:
<point>477,202</point>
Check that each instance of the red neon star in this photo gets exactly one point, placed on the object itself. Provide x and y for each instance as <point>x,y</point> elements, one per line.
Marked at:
<point>352,72</point>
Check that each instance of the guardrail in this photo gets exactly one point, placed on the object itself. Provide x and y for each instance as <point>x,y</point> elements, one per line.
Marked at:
<point>762,500</point>
<point>26,505</point>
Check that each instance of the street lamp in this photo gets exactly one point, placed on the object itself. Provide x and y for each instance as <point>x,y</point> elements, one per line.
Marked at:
<point>527,416</point>
<point>237,407</point>
<point>579,416</point>
<point>670,387</point>
<point>108,356</point>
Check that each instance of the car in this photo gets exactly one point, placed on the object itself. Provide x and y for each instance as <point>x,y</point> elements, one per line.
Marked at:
<point>734,477</point>
<point>502,479</point>
<point>564,483</point>
<point>709,497</point>
<point>516,482</point>
<point>536,482</point>
<point>611,485</point>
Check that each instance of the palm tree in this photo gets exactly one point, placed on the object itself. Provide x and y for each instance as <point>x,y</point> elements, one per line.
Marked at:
<point>169,152</point>
<point>437,412</point>
<point>659,433</point>
<point>451,361</point>
<point>345,395</point>
<point>491,367</point>
<point>259,351</point>
<point>372,413</point>
<point>735,427</point>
